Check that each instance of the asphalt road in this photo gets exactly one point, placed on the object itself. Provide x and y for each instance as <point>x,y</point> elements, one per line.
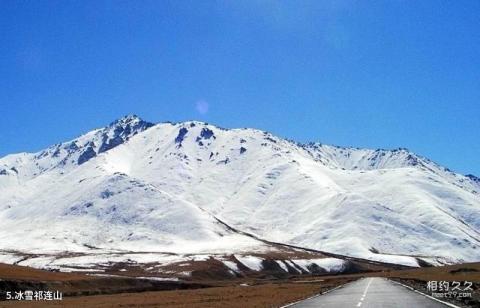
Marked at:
<point>370,293</point>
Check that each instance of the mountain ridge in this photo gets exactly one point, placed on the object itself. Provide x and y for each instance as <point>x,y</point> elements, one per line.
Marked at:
<point>139,125</point>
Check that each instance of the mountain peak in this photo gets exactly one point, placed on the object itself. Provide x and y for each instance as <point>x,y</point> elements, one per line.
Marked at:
<point>128,119</point>
<point>121,130</point>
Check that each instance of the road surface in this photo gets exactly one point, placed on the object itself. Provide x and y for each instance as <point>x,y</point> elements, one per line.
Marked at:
<point>371,293</point>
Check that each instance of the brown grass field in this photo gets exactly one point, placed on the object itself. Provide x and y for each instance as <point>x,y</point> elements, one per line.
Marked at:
<point>265,295</point>
<point>127,292</point>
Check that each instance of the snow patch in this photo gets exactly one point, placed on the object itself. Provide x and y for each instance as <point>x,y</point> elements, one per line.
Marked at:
<point>252,262</point>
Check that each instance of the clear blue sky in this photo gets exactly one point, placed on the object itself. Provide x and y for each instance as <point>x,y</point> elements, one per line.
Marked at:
<point>378,74</point>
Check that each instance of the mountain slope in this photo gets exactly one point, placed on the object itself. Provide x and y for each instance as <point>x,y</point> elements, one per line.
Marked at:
<point>161,187</point>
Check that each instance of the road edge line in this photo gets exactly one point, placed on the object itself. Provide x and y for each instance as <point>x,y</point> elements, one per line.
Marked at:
<point>316,295</point>
<point>426,295</point>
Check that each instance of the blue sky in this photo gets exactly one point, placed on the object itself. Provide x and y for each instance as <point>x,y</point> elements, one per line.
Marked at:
<point>377,74</point>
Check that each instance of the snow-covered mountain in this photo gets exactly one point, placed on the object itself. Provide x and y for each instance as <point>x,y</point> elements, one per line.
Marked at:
<point>135,186</point>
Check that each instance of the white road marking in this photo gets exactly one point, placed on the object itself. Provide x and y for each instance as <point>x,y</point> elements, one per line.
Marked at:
<point>366,289</point>
<point>364,293</point>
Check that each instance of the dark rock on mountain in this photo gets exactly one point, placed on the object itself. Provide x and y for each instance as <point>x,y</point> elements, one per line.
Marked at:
<point>88,154</point>
<point>206,133</point>
<point>181,135</point>
<point>473,178</point>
